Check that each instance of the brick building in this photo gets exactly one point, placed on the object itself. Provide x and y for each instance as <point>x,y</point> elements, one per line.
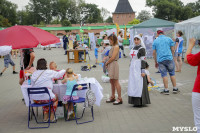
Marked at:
<point>123,13</point>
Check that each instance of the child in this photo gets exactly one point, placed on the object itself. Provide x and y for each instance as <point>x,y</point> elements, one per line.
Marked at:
<point>71,80</point>
<point>148,75</point>
<point>53,66</point>
<point>96,53</point>
<point>7,61</point>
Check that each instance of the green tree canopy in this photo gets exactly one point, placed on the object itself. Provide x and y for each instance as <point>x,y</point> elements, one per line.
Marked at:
<point>9,11</point>
<point>172,10</point>
<point>144,15</point>
<point>135,21</point>
<point>109,20</point>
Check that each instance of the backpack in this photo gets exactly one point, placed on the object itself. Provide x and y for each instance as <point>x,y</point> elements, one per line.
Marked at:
<point>90,98</point>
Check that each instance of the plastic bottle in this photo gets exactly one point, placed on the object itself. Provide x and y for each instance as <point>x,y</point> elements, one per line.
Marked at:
<point>29,80</point>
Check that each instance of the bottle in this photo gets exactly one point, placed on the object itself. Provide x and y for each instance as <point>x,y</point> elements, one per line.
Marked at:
<point>29,80</point>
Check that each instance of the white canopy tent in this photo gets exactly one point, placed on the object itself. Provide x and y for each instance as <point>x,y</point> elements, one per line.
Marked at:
<point>190,28</point>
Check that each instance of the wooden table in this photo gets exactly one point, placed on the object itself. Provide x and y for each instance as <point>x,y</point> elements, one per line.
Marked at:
<point>76,55</point>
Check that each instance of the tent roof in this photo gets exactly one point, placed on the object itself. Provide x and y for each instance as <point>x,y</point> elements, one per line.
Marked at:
<point>123,6</point>
<point>155,23</point>
<point>191,20</point>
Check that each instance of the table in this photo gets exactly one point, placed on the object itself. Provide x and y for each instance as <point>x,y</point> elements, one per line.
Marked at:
<point>60,90</point>
<point>76,55</point>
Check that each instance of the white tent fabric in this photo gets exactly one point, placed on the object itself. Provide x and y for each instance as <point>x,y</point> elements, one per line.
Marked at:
<point>190,28</point>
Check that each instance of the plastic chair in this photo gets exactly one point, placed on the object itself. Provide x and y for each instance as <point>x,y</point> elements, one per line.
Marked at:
<point>80,100</point>
<point>36,91</point>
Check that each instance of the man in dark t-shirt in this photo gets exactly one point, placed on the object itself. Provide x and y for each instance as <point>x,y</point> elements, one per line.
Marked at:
<point>28,57</point>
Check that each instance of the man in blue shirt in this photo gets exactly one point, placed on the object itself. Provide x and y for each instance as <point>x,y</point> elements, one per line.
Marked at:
<point>163,50</point>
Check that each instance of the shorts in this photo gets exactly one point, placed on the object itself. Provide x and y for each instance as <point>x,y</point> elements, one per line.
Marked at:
<point>96,56</point>
<point>167,66</point>
<point>121,47</point>
<point>176,54</point>
<point>7,62</point>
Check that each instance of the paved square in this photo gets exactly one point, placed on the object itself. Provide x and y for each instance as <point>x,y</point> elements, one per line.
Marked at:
<point>160,116</point>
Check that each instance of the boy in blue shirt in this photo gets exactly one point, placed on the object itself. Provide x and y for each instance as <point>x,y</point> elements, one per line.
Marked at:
<point>96,53</point>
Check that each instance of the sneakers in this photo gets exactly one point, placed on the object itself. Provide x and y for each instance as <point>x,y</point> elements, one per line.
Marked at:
<point>15,72</point>
<point>1,74</point>
<point>165,92</point>
<point>175,90</point>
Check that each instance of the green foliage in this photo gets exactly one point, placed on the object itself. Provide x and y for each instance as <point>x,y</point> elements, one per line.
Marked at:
<point>90,13</point>
<point>144,15</point>
<point>109,20</point>
<point>173,10</point>
<point>135,21</point>
<point>66,22</point>
<point>4,22</point>
<point>8,11</point>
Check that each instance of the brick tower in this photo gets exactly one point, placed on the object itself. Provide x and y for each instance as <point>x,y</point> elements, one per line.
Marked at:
<point>123,13</point>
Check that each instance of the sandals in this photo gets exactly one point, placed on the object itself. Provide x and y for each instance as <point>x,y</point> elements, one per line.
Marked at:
<point>118,102</point>
<point>110,100</point>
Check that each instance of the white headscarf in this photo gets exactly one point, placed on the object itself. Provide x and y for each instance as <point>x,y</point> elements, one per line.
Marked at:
<point>142,43</point>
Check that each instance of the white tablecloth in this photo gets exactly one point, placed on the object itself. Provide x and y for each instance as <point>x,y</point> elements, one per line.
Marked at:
<point>60,90</point>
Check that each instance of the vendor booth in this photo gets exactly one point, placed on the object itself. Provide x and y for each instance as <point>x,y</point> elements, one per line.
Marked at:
<point>190,29</point>
<point>148,29</point>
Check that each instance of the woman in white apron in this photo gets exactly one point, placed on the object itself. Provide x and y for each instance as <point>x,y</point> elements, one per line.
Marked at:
<point>138,94</point>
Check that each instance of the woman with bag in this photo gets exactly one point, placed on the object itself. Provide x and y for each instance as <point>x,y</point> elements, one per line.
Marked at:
<point>43,78</point>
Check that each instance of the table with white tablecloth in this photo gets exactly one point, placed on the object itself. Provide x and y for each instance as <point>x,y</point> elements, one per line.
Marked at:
<point>60,90</point>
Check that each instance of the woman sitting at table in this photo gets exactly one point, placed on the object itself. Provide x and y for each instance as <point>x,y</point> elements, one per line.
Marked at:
<point>42,77</point>
<point>71,80</point>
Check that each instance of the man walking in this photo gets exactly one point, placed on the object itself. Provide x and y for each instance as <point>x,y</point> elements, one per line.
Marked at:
<point>163,50</point>
<point>120,42</point>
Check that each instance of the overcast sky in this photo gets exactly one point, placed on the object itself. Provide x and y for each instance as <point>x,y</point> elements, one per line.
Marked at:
<point>110,5</point>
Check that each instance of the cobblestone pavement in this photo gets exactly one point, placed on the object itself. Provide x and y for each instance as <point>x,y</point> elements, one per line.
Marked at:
<point>164,112</point>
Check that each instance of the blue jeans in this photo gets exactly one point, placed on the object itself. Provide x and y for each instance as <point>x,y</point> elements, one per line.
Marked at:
<point>167,66</point>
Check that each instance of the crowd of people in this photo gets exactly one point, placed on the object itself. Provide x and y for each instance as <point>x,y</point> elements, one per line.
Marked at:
<point>167,56</point>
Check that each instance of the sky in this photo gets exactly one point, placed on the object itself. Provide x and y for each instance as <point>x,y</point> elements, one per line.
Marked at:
<point>110,5</point>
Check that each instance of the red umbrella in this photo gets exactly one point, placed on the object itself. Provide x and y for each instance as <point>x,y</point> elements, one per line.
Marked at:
<point>20,37</point>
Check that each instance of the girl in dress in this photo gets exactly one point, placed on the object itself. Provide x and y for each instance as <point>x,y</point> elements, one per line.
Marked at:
<point>138,94</point>
<point>71,80</point>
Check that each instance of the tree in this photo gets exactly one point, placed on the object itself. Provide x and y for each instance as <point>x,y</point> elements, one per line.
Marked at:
<point>109,20</point>
<point>172,10</point>
<point>195,8</point>
<point>135,21</point>
<point>9,11</point>
<point>4,22</point>
<point>104,13</point>
<point>66,22</point>
<point>144,15</point>
<point>90,13</point>
<point>42,9</point>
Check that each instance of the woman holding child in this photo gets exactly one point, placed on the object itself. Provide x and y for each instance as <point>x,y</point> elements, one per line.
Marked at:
<point>43,78</point>
<point>113,70</point>
<point>138,94</point>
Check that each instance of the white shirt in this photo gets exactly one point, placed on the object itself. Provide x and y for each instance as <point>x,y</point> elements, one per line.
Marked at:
<point>46,79</point>
<point>119,39</point>
<point>84,47</point>
<point>147,72</point>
